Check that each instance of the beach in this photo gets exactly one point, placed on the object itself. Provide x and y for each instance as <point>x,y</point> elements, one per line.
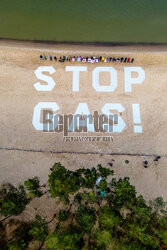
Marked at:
<point>26,152</point>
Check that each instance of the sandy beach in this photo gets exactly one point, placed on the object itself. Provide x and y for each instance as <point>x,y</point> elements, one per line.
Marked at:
<point>26,152</point>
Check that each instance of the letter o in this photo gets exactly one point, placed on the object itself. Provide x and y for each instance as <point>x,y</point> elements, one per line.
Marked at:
<point>113,79</point>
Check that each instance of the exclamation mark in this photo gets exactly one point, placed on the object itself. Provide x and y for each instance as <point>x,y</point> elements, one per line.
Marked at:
<point>136,118</point>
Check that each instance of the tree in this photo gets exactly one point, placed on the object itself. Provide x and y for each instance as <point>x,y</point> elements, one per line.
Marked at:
<point>78,198</point>
<point>103,239</point>
<point>123,244</point>
<point>17,245</point>
<point>139,233</point>
<point>108,219</point>
<point>162,234</point>
<point>122,220</point>
<point>3,236</point>
<point>140,211</point>
<point>21,237</point>
<point>85,217</point>
<point>39,229</point>
<point>63,215</point>
<point>13,200</point>
<point>52,241</point>
<point>63,182</point>
<point>32,185</point>
<point>123,193</point>
<point>70,238</point>
<point>90,178</point>
<point>90,197</point>
<point>158,205</point>
<point>159,227</point>
<point>103,185</point>
<point>104,172</point>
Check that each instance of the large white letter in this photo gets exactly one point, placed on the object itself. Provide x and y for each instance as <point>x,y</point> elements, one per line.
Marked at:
<point>37,113</point>
<point>128,77</point>
<point>76,70</point>
<point>38,72</point>
<point>113,79</point>
<point>115,106</point>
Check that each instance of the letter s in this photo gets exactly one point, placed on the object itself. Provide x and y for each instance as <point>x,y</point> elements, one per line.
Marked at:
<point>115,106</point>
<point>38,72</point>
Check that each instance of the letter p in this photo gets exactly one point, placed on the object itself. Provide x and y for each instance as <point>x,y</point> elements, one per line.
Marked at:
<point>129,80</point>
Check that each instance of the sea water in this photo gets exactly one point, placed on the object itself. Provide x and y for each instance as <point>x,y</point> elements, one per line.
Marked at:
<point>134,21</point>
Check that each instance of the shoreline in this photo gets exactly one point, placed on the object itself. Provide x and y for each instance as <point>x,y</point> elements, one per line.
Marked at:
<point>95,43</point>
<point>113,47</point>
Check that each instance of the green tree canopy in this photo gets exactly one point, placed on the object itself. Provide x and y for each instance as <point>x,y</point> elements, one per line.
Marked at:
<point>39,229</point>
<point>90,177</point>
<point>52,241</point>
<point>63,215</point>
<point>12,200</point>
<point>68,239</point>
<point>123,193</point>
<point>21,237</point>
<point>103,239</point>
<point>103,185</point>
<point>63,182</point>
<point>33,186</point>
<point>86,217</point>
<point>117,220</point>
<point>104,172</point>
<point>17,245</point>
<point>108,219</point>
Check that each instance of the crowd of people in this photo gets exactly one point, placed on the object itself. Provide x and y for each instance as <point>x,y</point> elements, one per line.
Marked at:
<point>92,59</point>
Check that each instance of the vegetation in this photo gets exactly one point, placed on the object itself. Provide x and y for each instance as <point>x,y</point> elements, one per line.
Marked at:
<point>63,215</point>
<point>94,211</point>
<point>12,200</point>
<point>69,238</point>
<point>39,229</point>
<point>63,182</point>
<point>21,237</point>
<point>32,185</point>
<point>85,217</point>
